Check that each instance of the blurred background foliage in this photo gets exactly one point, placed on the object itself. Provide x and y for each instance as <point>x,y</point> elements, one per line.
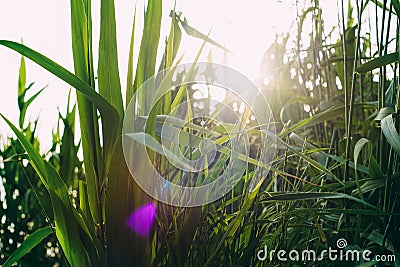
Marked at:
<point>25,201</point>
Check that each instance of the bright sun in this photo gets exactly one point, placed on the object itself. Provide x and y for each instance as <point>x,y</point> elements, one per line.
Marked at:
<point>245,29</point>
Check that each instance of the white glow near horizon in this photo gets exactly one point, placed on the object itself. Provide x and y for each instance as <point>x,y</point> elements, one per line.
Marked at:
<point>245,28</point>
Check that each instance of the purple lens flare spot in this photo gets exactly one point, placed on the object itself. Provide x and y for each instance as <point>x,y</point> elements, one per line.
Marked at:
<point>142,219</point>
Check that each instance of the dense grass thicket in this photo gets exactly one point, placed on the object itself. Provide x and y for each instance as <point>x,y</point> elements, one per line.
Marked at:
<point>335,174</point>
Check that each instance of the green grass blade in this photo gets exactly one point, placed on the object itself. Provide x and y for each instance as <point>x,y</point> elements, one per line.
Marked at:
<point>304,196</point>
<point>174,40</point>
<point>329,114</point>
<point>389,130</point>
<point>164,86</point>
<point>380,4</point>
<point>30,242</point>
<point>108,73</point>
<point>149,44</point>
<point>182,88</point>
<point>234,225</point>
<point>107,111</point>
<point>22,77</point>
<point>396,5</point>
<point>68,149</point>
<point>83,66</point>
<point>81,31</point>
<point>384,112</point>
<point>148,141</point>
<point>64,75</point>
<point>357,149</point>
<point>312,162</point>
<point>378,62</point>
<point>196,34</point>
<point>129,79</point>
<point>66,218</point>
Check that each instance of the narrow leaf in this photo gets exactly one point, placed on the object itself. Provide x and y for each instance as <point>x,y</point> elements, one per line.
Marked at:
<point>68,234</point>
<point>378,62</point>
<point>108,113</point>
<point>312,195</point>
<point>81,27</point>
<point>30,242</point>
<point>108,73</point>
<point>195,33</point>
<point>149,44</point>
<point>390,132</point>
<point>65,75</point>
<point>129,79</point>
<point>357,149</point>
<point>22,77</point>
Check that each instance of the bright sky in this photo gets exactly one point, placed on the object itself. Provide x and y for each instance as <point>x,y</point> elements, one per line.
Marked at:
<point>244,27</point>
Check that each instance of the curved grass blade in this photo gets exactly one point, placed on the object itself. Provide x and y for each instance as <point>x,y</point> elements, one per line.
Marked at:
<point>105,108</point>
<point>30,242</point>
<point>389,130</point>
<point>396,5</point>
<point>148,141</point>
<point>378,62</point>
<point>173,42</point>
<point>357,149</point>
<point>312,195</point>
<point>110,117</point>
<point>329,114</point>
<point>196,34</point>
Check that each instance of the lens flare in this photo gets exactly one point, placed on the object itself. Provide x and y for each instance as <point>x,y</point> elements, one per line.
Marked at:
<point>142,219</point>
